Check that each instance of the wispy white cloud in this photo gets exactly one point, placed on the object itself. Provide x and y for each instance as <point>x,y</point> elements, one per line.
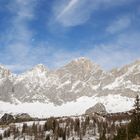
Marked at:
<point>75,12</point>
<point>23,12</point>
<point>18,36</point>
<point>119,24</point>
<point>66,9</point>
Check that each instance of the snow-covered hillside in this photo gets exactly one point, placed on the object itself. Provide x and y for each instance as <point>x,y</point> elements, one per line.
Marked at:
<point>113,103</point>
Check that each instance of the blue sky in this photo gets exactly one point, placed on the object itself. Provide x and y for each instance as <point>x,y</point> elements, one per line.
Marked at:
<point>53,32</point>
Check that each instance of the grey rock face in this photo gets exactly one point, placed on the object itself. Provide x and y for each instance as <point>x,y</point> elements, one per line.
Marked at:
<point>4,73</point>
<point>80,77</point>
<point>6,90</point>
<point>23,116</point>
<point>6,84</point>
<point>6,118</point>
<point>98,108</point>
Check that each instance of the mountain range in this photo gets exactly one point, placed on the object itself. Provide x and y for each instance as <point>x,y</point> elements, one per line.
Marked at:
<point>81,77</point>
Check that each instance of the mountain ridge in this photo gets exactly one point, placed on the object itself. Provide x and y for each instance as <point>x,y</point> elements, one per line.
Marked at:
<point>80,77</point>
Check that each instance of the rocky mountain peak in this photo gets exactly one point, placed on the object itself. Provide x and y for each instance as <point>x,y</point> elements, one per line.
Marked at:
<point>137,62</point>
<point>136,65</point>
<point>82,64</point>
<point>40,68</point>
<point>4,72</point>
<point>35,74</point>
<point>83,61</point>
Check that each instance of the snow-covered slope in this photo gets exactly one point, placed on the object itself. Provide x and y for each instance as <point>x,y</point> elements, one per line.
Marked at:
<point>79,79</point>
<point>126,80</point>
<point>113,103</point>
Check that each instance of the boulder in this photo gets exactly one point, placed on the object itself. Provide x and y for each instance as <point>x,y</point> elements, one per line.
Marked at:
<point>23,117</point>
<point>7,118</point>
<point>97,108</point>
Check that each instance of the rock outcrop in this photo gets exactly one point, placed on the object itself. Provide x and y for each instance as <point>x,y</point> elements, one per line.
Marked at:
<point>98,108</point>
<point>6,118</point>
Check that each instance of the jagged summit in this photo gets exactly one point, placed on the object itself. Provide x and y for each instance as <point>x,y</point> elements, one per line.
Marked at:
<point>82,59</point>
<point>82,64</point>
<point>135,65</point>
<point>35,71</point>
<point>2,66</point>
<point>4,72</point>
<point>40,67</point>
<point>137,60</point>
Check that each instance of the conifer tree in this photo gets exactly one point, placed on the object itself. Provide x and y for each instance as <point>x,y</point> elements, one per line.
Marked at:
<point>137,104</point>
<point>134,126</point>
<point>121,135</point>
<point>24,128</point>
<point>0,136</point>
<point>48,137</point>
<point>64,135</point>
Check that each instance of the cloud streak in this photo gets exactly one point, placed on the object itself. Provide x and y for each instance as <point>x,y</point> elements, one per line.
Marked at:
<point>71,13</point>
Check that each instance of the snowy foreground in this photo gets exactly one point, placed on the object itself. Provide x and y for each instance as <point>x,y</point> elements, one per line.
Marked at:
<point>113,103</point>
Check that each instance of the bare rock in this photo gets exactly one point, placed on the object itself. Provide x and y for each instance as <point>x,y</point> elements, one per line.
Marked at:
<point>98,108</point>
<point>7,118</point>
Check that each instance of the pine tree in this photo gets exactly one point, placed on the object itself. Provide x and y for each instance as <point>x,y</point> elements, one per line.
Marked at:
<point>6,133</point>
<point>64,135</point>
<point>34,128</point>
<point>121,135</point>
<point>24,128</point>
<point>137,104</point>
<point>45,127</point>
<point>134,126</point>
<point>77,126</point>
<point>0,136</point>
<point>48,137</point>
<point>103,136</point>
